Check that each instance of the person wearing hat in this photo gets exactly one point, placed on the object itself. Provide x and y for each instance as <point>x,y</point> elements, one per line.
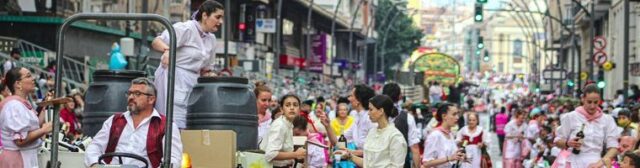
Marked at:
<point>533,130</point>
<point>11,63</point>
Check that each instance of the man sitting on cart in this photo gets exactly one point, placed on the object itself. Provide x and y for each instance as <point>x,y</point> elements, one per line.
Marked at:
<point>138,131</point>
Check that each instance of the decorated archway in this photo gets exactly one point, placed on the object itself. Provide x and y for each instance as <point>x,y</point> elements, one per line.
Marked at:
<point>435,66</point>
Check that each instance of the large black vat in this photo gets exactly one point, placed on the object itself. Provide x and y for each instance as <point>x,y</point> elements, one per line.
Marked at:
<point>106,96</point>
<point>225,103</point>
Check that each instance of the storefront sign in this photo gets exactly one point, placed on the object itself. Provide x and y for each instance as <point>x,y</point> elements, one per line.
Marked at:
<point>289,61</point>
<point>266,25</point>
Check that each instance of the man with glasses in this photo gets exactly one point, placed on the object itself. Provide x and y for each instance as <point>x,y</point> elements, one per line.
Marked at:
<point>138,131</point>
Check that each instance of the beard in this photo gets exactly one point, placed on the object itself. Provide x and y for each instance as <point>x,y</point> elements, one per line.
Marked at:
<point>133,109</point>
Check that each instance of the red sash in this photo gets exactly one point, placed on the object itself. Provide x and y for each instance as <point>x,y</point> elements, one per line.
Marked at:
<point>154,137</point>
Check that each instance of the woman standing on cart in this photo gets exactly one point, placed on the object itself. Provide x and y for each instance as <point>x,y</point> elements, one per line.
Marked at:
<point>195,55</point>
<point>20,125</point>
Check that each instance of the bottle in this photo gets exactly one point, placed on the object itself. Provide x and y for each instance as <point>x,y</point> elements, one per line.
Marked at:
<point>464,151</point>
<point>342,142</point>
<point>580,136</point>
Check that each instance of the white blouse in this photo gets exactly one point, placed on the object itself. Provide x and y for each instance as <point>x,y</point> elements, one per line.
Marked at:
<point>599,133</point>
<point>512,146</point>
<point>385,148</point>
<point>16,120</point>
<point>196,49</point>
<point>438,146</point>
<point>279,139</point>
<point>358,131</point>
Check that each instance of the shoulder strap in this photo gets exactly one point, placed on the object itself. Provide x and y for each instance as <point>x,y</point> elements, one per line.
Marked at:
<point>117,126</point>
<point>154,140</point>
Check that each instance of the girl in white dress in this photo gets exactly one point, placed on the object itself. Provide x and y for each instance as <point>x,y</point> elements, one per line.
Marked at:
<point>440,149</point>
<point>600,132</point>
<point>514,131</point>
<point>476,137</point>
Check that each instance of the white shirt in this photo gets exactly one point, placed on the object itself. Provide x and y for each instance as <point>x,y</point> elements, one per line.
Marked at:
<point>16,120</point>
<point>263,129</point>
<point>385,148</point>
<point>132,140</point>
<point>195,51</point>
<point>438,146</point>
<point>8,65</point>
<point>512,146</point>
<point>599,133</point>
<point>358,131</point>
<point>414,132</point>
<point>279,139</point>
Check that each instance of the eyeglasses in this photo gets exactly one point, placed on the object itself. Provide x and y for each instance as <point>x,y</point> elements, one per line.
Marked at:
<point>136,94</point>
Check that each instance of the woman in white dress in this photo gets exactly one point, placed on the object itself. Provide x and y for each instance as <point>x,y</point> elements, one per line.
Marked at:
<point>476,139</point>
<point>195,55</point>
<point>20,125</point>
<point>514,135</point>
<point>384,146</point>
<point>440,149</point>
<point>600,132</point>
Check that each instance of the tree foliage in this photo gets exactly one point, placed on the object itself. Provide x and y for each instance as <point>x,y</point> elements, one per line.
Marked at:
<point>402,37</point>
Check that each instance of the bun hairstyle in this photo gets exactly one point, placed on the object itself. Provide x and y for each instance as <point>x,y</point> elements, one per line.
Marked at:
<point>288,96</point>
<point>443,109</point>
<point>384,102</point>
<point>208,7</point>
<point>261,87</point>
<point>363,94</point>
<point>590,88</point>
<point>12,76</point>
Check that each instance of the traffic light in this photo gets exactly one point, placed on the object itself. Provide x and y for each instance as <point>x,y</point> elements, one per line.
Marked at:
<point>570,83</point>
<point>481,1</point>
<point>601,84</point>
<point>478,17</point>
<point>480,42</point>
<point>486,56</point>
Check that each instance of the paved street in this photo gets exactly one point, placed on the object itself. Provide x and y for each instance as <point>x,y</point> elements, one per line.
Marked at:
<point>494,148</point>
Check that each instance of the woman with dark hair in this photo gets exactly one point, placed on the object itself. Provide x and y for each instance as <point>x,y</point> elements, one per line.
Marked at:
<point>278,143</point>
<point>599,130</point>
<point>21,127</point>
<point>440,149</point>
<point>359,99</point>
<point>630,160</point>
<point>195,57</point>
<point>475,137</point>
<point>384,146</point>
<point>515,140</point>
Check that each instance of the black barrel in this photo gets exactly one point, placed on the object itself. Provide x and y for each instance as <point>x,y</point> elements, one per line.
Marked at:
<point>225,103</point>
<point>106,96</point>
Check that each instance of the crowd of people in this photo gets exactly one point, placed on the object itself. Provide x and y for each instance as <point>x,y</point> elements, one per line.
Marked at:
<point>532,131</point>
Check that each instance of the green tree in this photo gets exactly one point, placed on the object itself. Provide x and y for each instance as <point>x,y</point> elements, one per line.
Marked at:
<point>401,38</point>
